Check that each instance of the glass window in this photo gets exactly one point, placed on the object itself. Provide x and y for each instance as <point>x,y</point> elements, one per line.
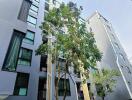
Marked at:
<point>25,57</point>
<point>34,9</point>
<point>42,89</point>
<point>61,89</point>
<point>129,71</point>
<point>122,57</point>
<point>10,62</point>
<point>46,6</point>
<point>22,91</point>
<point>109,27</point>
<point>29,38</point>
<point>23,14</point>
<point>36,1</point>
<point>117,46</point>
<point>21,85</point>
<point>31,21</point>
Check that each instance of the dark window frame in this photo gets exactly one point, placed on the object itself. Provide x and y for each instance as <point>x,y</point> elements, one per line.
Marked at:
<point>43,62</point>
<point>36,2</point>
<point>31,22</point>
<point>34,10</point>
<point>42,89</point>
<point>122,57</point>
<point>30,61</point>
<point>46,6</point>
<point>9,46</point>
<point>18,73</point>
<point>61,91</point>
<point>128,70</point>
<point>29,38</point>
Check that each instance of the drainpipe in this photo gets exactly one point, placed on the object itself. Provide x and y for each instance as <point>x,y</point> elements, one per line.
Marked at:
<point>129,91</point>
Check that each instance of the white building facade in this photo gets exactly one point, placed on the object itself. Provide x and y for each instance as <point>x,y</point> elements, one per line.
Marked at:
<point>114,56</point>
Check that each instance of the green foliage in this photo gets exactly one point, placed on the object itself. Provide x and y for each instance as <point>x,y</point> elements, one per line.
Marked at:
<point>42,49</point>
<point>75,43</point>
<point>105,82</point>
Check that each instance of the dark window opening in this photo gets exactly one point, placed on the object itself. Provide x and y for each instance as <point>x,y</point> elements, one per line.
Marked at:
<point>42,89</point>
<point>61,89</point>
<point>46,6</point>
<point>79,91</point>
<point>43,63</point>
<point>44,38</point>
<point>10,62</point>
<point>21,86</point>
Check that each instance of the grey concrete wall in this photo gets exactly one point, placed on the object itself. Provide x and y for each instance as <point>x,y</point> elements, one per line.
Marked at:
<point>7,81</point>
<point>9,10</point>
<point>8,22</point>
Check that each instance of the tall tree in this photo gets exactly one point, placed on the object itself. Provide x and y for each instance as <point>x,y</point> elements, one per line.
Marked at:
<point>73,42</point>
<point>105,82</point>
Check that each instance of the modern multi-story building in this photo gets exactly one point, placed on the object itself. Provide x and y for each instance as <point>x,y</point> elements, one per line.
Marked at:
<point>114,56</point>
<point>23,75</point>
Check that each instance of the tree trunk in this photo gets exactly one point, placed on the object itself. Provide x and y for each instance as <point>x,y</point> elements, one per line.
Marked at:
<point>56,89</point>
<point>85,91</point>
<point>64,87</point>
<point>56,84</point>
<point>84,85</point>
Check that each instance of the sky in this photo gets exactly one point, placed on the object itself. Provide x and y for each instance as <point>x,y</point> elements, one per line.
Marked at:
<point>118,12</point>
